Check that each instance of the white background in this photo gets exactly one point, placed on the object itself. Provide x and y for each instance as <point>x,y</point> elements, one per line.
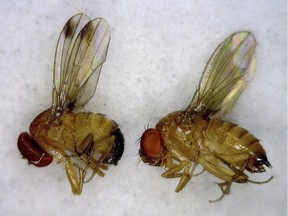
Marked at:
<point>157,53</point>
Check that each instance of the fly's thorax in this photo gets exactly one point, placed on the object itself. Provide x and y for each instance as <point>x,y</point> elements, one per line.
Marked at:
<point>237,145</point>
<point>51,131</point>
<point>59,132</point>
<point>41,122</point>
<point>182,135</point>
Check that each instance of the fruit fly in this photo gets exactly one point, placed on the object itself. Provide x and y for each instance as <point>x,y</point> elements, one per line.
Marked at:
<point>82,141</point>
<point>198,136</point>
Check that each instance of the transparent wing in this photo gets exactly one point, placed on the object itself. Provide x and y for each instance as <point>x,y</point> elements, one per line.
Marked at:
<point>63,51</point>
<point>81,51</point>
<point>228,72</point>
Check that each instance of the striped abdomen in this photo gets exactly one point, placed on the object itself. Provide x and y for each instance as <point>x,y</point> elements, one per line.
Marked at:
<point>235,145</point>
<point>69,130</point>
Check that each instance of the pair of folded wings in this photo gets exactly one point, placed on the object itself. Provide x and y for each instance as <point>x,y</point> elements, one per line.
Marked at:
<point>81,51</point>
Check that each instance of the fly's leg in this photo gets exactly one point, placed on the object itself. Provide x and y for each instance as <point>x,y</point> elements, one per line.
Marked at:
<point>174,171</point>
<point>87,149</point>
<point>225,186</point>
<point>167,162</point>
<point>260,182</point>
<point>97,164</point>
<point>197,174</point>
<point>185,176</point>
<point>103,146</point>
<point>240,173</point>
<point>76,181</point>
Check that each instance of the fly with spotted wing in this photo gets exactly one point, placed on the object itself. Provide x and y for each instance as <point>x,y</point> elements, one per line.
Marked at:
<point>198,136</point>
<point>81,141</point>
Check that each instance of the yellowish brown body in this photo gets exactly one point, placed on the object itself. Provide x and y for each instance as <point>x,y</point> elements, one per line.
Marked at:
<point>81,137</point>
<point>68,131</point>
<point>197,135</point>
<point>220,147</point>
<point>81,141</point>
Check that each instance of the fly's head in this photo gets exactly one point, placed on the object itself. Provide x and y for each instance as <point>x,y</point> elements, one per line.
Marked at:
<point>30,150</point>
<point>152,147</point>
<point>28,146</point>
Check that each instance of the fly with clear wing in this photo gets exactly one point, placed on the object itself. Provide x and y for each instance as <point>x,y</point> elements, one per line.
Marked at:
<point>198,136</point>
<point>82,141</point>
<point>87,142</point>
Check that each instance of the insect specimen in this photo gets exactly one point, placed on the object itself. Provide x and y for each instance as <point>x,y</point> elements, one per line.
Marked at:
<point>197,135</point>
<point>82,141</point>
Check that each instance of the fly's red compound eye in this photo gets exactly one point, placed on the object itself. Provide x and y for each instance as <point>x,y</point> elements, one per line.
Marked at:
<point>32,152</point>
<point>151,143</point>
